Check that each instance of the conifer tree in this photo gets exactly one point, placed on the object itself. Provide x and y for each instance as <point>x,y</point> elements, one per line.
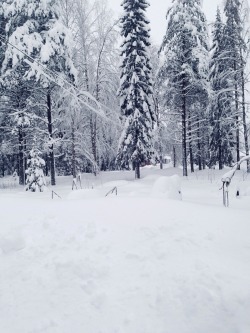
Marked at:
<point>136,146</point>
<point>233,46</point>
<point>35,178</point>
<point>185,71</point>
<point>222,124</point>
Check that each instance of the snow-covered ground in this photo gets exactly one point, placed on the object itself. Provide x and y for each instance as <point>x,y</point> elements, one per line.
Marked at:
<point>140,262</point>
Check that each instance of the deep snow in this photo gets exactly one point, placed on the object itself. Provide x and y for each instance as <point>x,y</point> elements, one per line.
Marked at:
<point>137,262</point>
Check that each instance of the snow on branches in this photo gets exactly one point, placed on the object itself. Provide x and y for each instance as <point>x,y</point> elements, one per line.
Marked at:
<point>35,178</point>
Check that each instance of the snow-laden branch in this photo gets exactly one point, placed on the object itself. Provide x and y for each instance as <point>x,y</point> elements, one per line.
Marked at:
<point>227,177</point>
<point>83,97</point>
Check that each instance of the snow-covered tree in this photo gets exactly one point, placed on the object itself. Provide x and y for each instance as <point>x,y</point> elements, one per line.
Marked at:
<point>233,45</point>
<point>2,36</point>
<point>222,123</point>
<point>35,29</point>
<point>14,94</point>
<point>135,92</point>
<point>185,70</point>
<point>103,83</point>
<point>244,71</point>
<point>35,178</point>
<point>97,60</point>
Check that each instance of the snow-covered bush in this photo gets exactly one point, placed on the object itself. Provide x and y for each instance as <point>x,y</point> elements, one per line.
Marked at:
<point>35,177</point>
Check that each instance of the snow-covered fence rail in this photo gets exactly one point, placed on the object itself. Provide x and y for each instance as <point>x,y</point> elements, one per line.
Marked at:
<point>227,178</point>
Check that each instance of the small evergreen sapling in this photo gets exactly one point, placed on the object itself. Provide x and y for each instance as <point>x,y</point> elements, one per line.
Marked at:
<point>35,177</point>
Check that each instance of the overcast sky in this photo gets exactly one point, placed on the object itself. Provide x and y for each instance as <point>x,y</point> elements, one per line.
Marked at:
<point>157,13</point>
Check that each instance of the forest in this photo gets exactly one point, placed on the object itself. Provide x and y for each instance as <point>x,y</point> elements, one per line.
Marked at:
<point>138,155</point>
<point>81,91</point>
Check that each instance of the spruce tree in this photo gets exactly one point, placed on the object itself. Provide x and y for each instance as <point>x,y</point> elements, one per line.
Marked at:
<point>136,146</point>
<point>222,124</point>
<point>185,70</point>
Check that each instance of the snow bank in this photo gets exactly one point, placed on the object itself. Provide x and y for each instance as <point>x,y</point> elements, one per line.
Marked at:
<point>169,187</point>
<point>85,194</point>
<point>125,264</point>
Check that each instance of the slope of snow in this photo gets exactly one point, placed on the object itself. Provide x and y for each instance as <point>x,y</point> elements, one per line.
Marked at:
<point>131,263</point>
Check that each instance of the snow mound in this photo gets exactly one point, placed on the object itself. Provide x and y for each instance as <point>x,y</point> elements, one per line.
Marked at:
<point>243,189</point>
<point>11,244</point>
<point>151,177</point>
<point>169,187</point>
<point>85,194</point>
<point>117,183</point>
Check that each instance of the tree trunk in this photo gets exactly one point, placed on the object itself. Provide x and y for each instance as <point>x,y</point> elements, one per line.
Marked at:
<point>25,157</point>
<point>93,131</point>
<point>237,115</point>
<point>73,150</point>
<point>160,146</point>
<point>21,165</point>
<point>92,119</point>
<point>161,156</point>
<point>199,155</point>
<point>46,165</point>
<point>220,157</point>
<point>199,146</point>
<point>174,157</point>
<point>51,146</point>
<point>191,156</point>
<point>203,161</point>
<point>137,170</point>
<point>184,134</point>
<point>161,162</point>
<point>245,131</point>
<point>3,164</point>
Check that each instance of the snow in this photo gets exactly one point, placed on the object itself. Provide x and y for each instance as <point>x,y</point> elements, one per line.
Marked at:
<point>127,263</point>
<point>168,186</point>
<point>85,194</point>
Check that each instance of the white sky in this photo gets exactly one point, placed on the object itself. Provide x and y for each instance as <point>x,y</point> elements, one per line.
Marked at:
<point>157,14</point>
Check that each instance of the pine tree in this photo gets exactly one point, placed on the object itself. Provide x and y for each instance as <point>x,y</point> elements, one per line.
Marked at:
<point>185,70</point>
<point>222,124</point>
<point>35,178</point>
<point>136,146</point>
